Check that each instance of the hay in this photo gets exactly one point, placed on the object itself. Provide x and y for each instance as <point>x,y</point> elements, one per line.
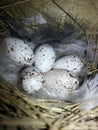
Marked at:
<point>20,112</point>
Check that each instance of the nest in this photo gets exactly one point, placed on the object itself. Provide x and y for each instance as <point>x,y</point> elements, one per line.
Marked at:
<point>19,111</point>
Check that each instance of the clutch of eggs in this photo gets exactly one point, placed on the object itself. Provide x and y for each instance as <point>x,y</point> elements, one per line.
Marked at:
<point>55,81</point>
<point>55,75</point>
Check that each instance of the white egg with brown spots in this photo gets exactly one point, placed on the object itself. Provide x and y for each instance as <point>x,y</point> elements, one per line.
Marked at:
<point>44,57</point>
<point>19,51</point>
<point>60,81</point>
<point>31,81</point>
<point>71,63</point>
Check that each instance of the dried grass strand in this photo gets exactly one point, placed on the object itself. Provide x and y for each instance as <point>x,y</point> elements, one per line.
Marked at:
<point>16,3</point>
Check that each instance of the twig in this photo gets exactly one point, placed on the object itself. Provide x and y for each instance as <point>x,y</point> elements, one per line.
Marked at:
<point>16,3</point>
<point>67,14</point>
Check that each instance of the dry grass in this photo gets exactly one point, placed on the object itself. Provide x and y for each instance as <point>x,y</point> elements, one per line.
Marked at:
<point>17,109</point>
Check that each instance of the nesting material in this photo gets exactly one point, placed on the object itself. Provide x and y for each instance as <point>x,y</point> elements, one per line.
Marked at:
<point>24,112</point>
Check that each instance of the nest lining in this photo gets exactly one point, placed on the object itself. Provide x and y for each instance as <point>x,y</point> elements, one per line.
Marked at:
<point>20,110</point>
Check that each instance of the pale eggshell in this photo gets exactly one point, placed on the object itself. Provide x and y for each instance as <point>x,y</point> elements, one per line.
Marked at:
<point>44,57</point>
<point>71,63</point>
<point>19,52</point>
<point>31,80</point>
<point>60,81</point>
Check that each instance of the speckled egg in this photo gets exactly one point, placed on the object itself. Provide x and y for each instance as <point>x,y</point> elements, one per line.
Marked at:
<point>71,63</point>
<point>59,81</point>
<point>44,57</point>
<point>31,81</point>
<point>19,51</point>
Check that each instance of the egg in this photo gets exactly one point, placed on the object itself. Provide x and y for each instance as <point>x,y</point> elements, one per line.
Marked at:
<point>71,63</point>
<point>19,51</point>
<point>44,57</point>
<point>60,81</point>
<point>31,81</point>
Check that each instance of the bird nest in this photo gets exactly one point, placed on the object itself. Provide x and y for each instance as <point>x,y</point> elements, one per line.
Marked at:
<point>19,111</point>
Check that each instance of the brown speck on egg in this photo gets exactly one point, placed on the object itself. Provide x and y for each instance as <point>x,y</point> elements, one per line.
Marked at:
<point>26,72</point>
<point>71,75</point>
<point>12,49</point>
<point>28,59</point>
<point>43,81</point>
<point>31,74</point>
<point>74,56</point>
<point>64,86</point>
<point>25,65</point>
<point>75,82</point>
